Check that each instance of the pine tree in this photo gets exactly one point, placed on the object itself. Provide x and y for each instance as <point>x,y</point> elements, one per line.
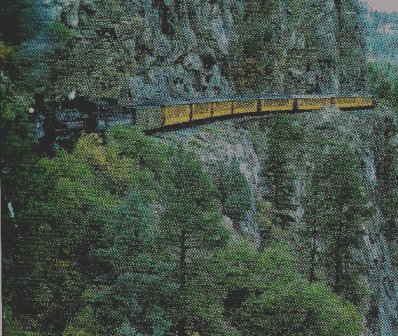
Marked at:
<point>279,177</point>
<point>278,170</point>
<point>191,230</point>
<point>314,205</point>
<point>341,216</point>
<point>268,223</point>
<point>235,192</point>
<point>132,291</point>
<point>387,173</point>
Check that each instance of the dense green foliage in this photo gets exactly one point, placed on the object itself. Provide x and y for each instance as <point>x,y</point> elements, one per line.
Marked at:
<point>18,144</point>
<point>387,170</point>
<point>17,151</point>
<point>120,240</point>
<point>383,81</point>
<point>235,192</point>
<point>271,298</point>
<point>277,170</point>
<point>124,236</point>
<point>335,212</point>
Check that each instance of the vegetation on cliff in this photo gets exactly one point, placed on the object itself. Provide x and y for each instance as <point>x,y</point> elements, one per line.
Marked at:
<point>126,237</point>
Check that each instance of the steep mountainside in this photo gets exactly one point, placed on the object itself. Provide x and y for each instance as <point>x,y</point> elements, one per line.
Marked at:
<point>139,51</point>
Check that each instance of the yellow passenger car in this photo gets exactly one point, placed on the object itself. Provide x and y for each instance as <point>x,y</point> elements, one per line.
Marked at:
<point>245,106</point>
<point>312,103</point>
<point>222,108</point>
<point>270,105</point>
<point>201,111</point>
<point>176,114</point>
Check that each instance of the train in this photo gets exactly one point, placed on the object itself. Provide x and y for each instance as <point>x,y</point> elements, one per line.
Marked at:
<point>152,117</point>
<point>61,124</point>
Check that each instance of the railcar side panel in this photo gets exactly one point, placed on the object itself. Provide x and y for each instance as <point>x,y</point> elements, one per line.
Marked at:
<point>222,108</point>
<point>312,103</point>
<point>176,114</point>
<point>248,106</point>
<point>270,105</point>
<point>201,111</point>
<point>346,102</point>
<point>365,101</point>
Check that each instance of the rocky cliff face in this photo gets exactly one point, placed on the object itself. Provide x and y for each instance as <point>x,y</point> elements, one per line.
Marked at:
<point>246,141</point>
<point>312,46</point>
<point>164,50</point>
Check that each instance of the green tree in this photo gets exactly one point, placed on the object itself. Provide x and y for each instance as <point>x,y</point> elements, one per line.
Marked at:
<point>83,324</point>
<point>190,230</point>
<point>18,141</point>
<point>314,205</point>
<point>70,196</point>
<point>18,158</point>
<point>387,173</point>
<point>268,223</point>
<point>278,170</point>
<point>133,295</point>
<point>12,326</point>
<point>378,81</point>
<point>148,151</point>
<point>341,213</point>
<point>266,295</point>
<point>298,308</point>
<point>235,192</point>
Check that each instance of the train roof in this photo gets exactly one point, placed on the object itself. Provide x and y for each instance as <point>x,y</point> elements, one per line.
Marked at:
<point>244,98</point>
